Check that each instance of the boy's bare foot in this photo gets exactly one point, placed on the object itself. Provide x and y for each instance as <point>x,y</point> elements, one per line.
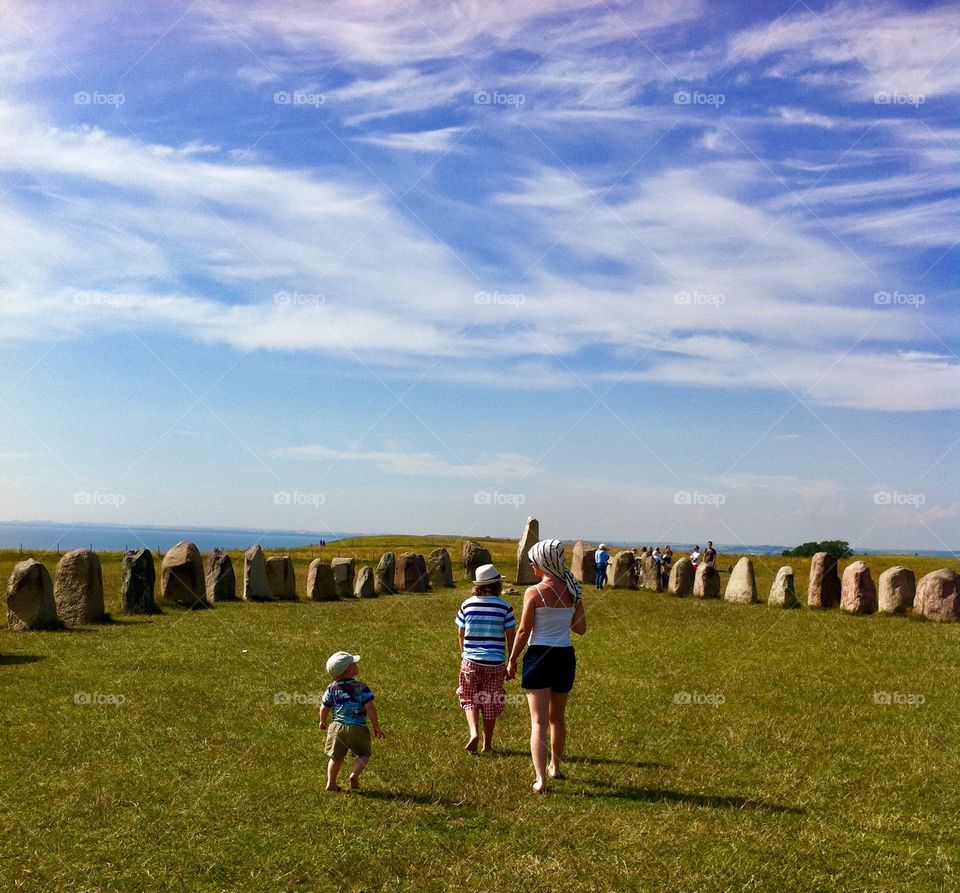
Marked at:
<point>334,787</point>
<point>471,745</point>
<point>354,782</point>
<point>539,786</point>
<point>553,772</point>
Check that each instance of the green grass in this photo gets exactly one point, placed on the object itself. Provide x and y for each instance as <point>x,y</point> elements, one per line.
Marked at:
<point>200,781</point>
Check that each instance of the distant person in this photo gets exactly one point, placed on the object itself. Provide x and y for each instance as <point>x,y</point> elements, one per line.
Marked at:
<point>351,703</point>
<point>602,558</point>
<point>666,562</point>
<point>551,609</point>
<point>710,554</point>
<point>657,555</point>
<point>695,557</point>
<point>487,629</point>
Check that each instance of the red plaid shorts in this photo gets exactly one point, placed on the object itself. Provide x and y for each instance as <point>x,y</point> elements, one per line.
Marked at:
<point>481,687</point>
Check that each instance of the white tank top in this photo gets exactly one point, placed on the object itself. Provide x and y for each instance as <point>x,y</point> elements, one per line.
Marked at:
<point>551,626</point>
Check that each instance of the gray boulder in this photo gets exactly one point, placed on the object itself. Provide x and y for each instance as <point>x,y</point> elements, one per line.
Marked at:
<point>742,585</point>
<point>256,587</point>
<point>896,590</point>
<point>364,586</point>
<point>281,578</point>
<point>782,592</point>
<point>78,590</point>
<point>620,571</point>
<point>182,581</point>
<point>858,594</point>
<point>823,588</point>
<point>440,569</point>
<point>474,555</point>
<point>384,574</point>
<point>531,535</point>
<point>344,570</point>
<point>681,577</point>
<point>938,596</point>
<point>320,583</point>
<point>221,579</point>
<point>137,582</point>
<point>706,582</point>
<point>583,562</point>
<point>30,601</point>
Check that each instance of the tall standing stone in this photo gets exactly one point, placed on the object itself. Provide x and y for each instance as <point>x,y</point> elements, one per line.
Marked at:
<point>78,590</point>
<point>706,582</point>
<point>383,576</point>
<point>30,601</point>
<point>896,590</point>
<point>440,569</point>
<point>281,578</point>
<point>858,594</point>
<point>256,587</point>
<point>583,562</point>
<point>408,576</point>
<point>823,589</point>
<point>650,577</point>
<point>938,596</point>
<point>782,592</point>
<point>137,582</point>
<point>531,535</point>
<point>742,585</point>
<point>343,574</point>
<point>364,586</point>
<point>221,579</point>
<point>181,577</point>
<point>320,584</point>
<point>474,555</point>
<point>681,577</point>
<point>620,571</point>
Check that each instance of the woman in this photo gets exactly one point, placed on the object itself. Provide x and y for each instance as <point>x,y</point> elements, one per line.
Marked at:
<point>551,609</point>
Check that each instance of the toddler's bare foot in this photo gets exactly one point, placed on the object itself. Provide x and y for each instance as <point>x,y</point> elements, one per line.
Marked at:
<point>471,745</point>
<point>539,786</point>
<point>333,787</point>
<point>354,782</point>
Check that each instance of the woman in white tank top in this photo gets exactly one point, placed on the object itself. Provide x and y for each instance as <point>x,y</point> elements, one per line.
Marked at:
<point>551,610</point>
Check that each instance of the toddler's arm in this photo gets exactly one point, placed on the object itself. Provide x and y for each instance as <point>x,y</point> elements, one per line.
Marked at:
<point>324,716</point>
<point>371,711</point>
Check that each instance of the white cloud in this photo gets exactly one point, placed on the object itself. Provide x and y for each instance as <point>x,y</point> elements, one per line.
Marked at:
<point>441,140</point>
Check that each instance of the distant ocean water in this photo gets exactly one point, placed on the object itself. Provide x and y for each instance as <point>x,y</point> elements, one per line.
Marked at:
<point>115,537</point>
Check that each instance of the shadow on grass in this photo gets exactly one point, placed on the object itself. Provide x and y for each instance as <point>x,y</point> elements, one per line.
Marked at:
<point>589,761</point>
<point>663,795</point>
<point>6,659</point>
<point>403,797</point>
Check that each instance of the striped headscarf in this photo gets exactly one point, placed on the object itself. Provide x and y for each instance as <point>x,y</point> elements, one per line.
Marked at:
<point>548,556</point>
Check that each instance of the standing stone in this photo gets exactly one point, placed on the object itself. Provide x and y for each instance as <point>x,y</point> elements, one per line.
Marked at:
<point>531,535</point>
<point>650,574</point>
<point>424,573</point>
<point>181,577</point>
<point>409,576</point>
<point>706,582</point>
<point>30,601</point>
<point>137,582</point>
<point>320,585</point>
<point>620,571</point>
<point>78,590</point>
<point>344,570</point>
<point>364,587</point>
<point>782,593</point>
<point>858,594</point>
<point>256,588</point>
<point>440,569</point>
<point>742,585</point>
<point>383,576</point>
<point>823,590</point>
<point>281,578</point>
<point>221,580</point>
<point>896,590</point>
<point>583,562</point>
<point>681,577</point>
<point>938,596</point>
<point>473,556</point>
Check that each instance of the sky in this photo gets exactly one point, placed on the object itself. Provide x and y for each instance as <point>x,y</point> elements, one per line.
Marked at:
<point>648,271</point>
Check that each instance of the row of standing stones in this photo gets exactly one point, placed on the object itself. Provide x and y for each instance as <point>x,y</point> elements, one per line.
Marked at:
<point>35,601</point>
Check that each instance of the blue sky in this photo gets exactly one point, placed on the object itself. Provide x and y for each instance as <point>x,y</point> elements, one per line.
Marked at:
<point>649,271</point>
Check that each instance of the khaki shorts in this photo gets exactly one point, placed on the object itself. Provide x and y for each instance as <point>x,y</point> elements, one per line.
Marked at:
<point>342,738</point>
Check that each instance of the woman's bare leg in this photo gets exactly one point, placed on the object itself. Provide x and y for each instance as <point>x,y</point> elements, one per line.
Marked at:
<point>539,702</point>
<point>558,732</point>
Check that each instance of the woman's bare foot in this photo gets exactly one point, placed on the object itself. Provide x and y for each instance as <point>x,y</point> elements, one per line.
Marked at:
<point>471,745</point>
<point>539,786</point>
<point>553,772</point>
<point>354,782</point>
<point>335,787</point>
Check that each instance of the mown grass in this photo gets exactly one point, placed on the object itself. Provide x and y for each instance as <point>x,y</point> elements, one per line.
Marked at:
<point>200,780</point>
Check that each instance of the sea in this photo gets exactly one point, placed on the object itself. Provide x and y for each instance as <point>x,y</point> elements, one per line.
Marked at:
<point>53,535</point>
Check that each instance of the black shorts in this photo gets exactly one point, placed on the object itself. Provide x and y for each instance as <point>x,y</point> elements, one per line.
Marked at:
<point>546,666</point>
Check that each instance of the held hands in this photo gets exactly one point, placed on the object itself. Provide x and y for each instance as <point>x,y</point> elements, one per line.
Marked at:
<point>323,727</point>
<point>511,669</point>
<point>378,732</point>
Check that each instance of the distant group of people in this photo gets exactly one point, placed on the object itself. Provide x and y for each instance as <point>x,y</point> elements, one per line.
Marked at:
<point>663,557</point>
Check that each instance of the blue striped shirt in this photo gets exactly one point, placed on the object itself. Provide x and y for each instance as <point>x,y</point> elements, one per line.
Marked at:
<point>484,622</point>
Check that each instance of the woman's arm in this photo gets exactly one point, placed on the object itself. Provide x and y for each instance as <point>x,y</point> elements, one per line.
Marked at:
<point>523,631</point>
<point>579,622</point>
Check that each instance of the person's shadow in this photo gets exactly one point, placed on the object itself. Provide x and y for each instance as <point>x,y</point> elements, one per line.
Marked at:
<point>591,761</point>
<point>401,797</point>
<point>664,795</point>
<point>10,659</point>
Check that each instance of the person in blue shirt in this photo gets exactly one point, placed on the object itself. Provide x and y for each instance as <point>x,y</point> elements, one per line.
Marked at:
<point>602,558</point>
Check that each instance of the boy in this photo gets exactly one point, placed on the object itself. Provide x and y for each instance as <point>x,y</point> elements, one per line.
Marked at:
<point>351,702</point>
<point>487,629</point>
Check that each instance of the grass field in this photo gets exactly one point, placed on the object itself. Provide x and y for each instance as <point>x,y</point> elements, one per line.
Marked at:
<point>202,769</point>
